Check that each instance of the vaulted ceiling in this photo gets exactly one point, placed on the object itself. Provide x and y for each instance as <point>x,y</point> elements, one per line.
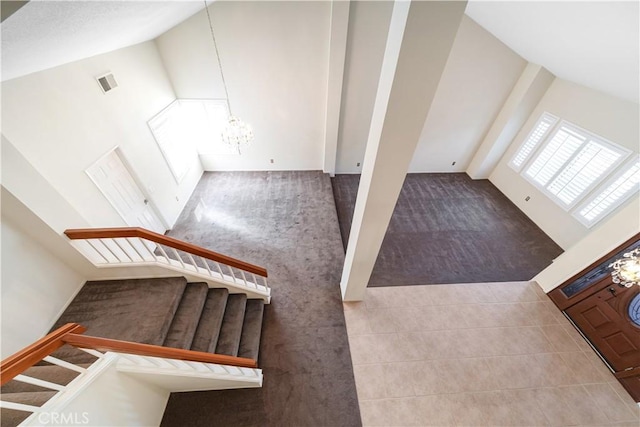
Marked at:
<point>595,44</point>
<point>44,34</point>
<point>591,43</point>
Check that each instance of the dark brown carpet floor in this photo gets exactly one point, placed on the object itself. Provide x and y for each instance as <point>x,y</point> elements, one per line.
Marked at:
<point>285,221</point>
<point>448,228</point>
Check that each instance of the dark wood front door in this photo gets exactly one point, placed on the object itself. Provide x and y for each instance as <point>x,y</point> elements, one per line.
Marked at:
<point>608,321</point>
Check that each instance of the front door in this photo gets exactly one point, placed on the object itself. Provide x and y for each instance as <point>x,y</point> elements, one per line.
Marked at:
<point>119,187</point>
<point>610,319</point>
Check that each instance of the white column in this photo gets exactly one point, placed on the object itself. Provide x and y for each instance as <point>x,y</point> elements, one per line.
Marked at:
<point>337,54</point>
<point>525,95</point>
<point>420,37</point>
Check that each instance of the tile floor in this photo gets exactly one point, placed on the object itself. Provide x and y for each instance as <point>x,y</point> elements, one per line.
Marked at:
<point>493,354</point>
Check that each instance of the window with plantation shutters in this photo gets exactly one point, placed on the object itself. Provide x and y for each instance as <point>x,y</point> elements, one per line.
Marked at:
<point>591,163</point>
<point>535,137</point>
<point>612,194</point>
<point>571,163</point>
<point>562,146</point>
<point>580,171</point>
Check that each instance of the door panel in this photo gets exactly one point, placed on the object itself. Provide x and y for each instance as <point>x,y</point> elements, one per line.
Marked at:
<point>604,319</point>
<point>119,187</point>
<point>595,317</point>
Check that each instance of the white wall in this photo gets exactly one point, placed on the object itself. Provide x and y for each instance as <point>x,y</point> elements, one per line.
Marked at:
<point>479,75</point>
<point>612,118</point>
<point>36,287</point>
<point>337,56</point>
<point>61,122</point>
<point>478,78</point>
<point>275,61</point>
<point>118,399</point>
<point>27,185</point>
<point>366,40</point>
<point>614,230</point>
<point>523,99</point>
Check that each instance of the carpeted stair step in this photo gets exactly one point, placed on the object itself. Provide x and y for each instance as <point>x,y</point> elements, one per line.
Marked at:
<point>52,373</point>
<point>11,417</point>
<point>138,310</point>
<point>208,330</point>
<point>252,329</point>
<point>185,322</point>
<point>229,339</point>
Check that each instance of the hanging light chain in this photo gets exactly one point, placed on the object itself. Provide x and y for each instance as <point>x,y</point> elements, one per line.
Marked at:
<point>236,133</point>
<point>215,45</point>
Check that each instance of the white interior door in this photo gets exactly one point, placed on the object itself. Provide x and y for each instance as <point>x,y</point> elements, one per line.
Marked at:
<point>117,184</point>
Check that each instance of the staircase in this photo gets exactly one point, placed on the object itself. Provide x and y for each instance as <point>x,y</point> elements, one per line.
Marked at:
<point>169,312</point>
<point>213,321</point>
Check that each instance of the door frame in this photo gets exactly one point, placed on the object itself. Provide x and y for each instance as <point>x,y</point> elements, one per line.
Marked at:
<point>629,379</point>
<point>118,152</point>
<point>563,301</point>
<point>619,310</point>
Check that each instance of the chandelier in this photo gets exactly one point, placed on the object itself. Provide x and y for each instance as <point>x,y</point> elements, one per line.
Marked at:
<point>626,270</point>
<point>236,133</point>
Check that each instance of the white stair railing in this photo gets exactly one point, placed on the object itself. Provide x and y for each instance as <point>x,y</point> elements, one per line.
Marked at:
<point>118,247</point>
<point>171,374</point>
<point>171,369</point>
<point>181,375</point>
<point>62,392</point>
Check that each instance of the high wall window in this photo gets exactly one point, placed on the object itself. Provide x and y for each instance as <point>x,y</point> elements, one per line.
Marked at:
<point>535,137</point>
<point>569,165</point>
<point>612,194</point>
<point>185,128</point>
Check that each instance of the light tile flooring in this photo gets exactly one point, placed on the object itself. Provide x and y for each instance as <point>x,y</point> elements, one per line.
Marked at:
<point>494,354</point>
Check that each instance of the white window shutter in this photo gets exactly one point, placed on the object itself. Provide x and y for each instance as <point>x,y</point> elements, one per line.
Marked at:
<point>618,189</point>
<point>537,135</point>
<point>563,145</point>
<point>592,162</point>
<point>572,163</point>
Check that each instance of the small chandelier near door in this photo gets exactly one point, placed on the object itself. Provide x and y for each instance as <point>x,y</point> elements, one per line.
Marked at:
<point>236,133</point>
<point>626,270</point>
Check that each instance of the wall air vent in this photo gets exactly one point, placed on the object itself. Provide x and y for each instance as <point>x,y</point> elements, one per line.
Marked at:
<point>107,82</point>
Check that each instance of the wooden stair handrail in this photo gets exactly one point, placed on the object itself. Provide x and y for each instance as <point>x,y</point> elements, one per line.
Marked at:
<point>19,362</point>
<point>121,232</point>
<point>106,344</point>
<point>27,357</point>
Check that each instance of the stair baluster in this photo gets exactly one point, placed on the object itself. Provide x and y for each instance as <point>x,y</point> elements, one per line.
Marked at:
<point>120,247</point>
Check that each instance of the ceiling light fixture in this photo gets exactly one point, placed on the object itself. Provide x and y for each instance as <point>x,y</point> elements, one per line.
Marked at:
<point>235,133</point>
<point>626,270</point>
